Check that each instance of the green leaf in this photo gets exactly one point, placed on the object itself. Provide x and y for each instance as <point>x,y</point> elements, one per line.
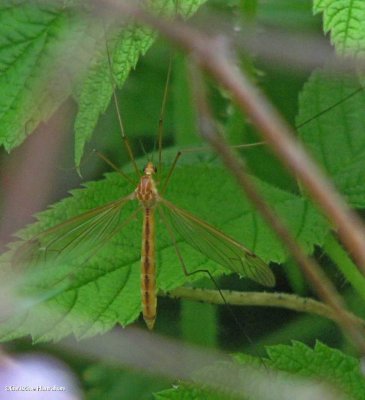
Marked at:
<point>184,114</point>
<point>217,381</point>
<point>323,363</point>
<point>336,138</point>
<point>98,85</point>
<point>344,19</point>
<point>131,43</point>
<point>104,290</point>
<point>36,43</point>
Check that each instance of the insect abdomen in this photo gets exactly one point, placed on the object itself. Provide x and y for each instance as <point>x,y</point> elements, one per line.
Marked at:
<point>148,274</point>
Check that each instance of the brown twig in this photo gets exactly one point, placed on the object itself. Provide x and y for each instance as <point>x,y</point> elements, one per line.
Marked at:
<point>211,54</point>
<point>323,286</point>
<point>296,51</point>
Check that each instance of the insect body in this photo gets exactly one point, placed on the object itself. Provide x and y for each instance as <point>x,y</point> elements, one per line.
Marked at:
<point>146,193</point>
<point>82,236</point>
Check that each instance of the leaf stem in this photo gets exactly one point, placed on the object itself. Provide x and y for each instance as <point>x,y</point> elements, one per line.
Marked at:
<point>261,299</point>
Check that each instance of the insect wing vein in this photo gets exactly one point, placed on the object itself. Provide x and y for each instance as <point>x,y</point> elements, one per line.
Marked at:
<point>72,238</point>
<point>217,246</point>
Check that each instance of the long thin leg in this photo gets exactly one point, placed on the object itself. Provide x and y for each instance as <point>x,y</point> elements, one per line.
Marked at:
<point>116,169</point>
<point>162,113</point>
<point>196,150</point>
<point>116,103</point>
<point>187,273</point>
<point>178,253</point>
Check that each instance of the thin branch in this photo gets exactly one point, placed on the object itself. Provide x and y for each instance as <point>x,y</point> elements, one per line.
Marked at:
<point>323,286</point>
<point>261,299</point>
<point>294,51</point>
<point>212,55</point>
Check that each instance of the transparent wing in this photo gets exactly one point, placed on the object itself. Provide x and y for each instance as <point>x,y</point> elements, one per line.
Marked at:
<point>217,246</point>
<point>81,235</point>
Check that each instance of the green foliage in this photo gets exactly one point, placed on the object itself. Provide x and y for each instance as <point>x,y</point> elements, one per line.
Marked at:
<point>128,45</point>
<point>336,138</point>
<point>36,43</point>
<point>289,14</point>
<point>345,265</point>
<point>114,384</point>
<point>98,85</point>
<point>321,365</point>
<point>104,289</point>
<point>344,19</point>
<point>189,393</point>
<point>88,294</point>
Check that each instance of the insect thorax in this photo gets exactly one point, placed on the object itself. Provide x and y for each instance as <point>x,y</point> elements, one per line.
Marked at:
<point>146,191</point>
